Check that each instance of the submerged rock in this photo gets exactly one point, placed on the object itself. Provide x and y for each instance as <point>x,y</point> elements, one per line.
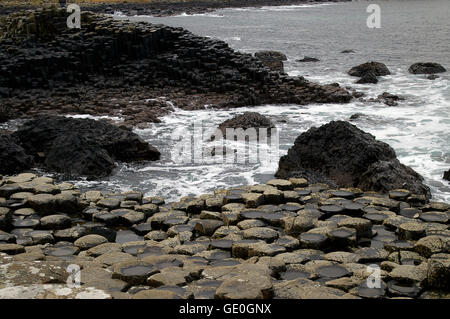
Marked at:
<point>340,153</point>
<point>308,59</point>
<point>426,68</point>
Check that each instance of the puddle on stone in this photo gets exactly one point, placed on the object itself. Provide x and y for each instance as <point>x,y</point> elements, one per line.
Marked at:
<point>221,244</point>
<point>25,223</point>
<point>138,270</point>
<point>225,262</point>
<point>125,236</point>
<point>291,275</point>
<point>61,251</point>
<point>401,289</point>
<point>334,271</point>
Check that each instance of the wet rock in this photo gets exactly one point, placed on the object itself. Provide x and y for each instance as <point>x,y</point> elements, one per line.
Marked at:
<point>134,272</point>
<point>370,292</point>
<point>114,257</point>
<point>377,68</point>
<point>253,200</point>
<point>409,273</point>
<point>70,234</point>
<point>402,289</point>
<point>308,59</point>
<point>426,68</point>
<point>368,77</point>
<point>375,167</point>
<point>13,158</point>
<point>438,273</point>
<point>313,241</point>
<point>11,249</point>
<point>246,121</point>
<point>260,233</point>
<point>44,204</point>
<point>55,222</point>
<point>362,226</point>
<point>431,245</point>
<point>5,217</point>
<point>82,146</point>
<point>170,276</point>
<point>7,238</point>
<point>343,283</point>
<point>343,237</point>
<point>299,224</point>
<point>447,175</point>
<point>89,241</point>
<point>272,59</point>
<point>332,271</point>
<point>156,294</point>
<point>411,231</point>
<point>208,226</point>
<point>305,289</point>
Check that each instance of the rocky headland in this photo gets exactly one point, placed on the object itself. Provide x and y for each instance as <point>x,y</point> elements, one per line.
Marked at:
<point>132,70</point>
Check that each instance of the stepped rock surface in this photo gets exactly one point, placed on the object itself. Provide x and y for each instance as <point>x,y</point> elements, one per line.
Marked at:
<point>299,240</point>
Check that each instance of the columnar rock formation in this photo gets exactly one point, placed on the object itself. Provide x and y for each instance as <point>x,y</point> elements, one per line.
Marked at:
<point>98,69</point>
<point>284,239</point>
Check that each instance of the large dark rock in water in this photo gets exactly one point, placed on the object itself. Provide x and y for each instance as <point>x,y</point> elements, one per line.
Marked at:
<point>73,154</point>
<point>340,154</point>
<point>247,120</point>
<point>447,175</point>
<point>81,146</point>
<point>377,68</point>
<point>272,59</point>
<point>367,78</point>
<point>13,158</point>
<point>426,68</point>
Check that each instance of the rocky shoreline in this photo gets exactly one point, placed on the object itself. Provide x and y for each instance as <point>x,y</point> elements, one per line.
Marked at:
<point>163,8</point>
<point>136,71</point>
<point>285,239</point>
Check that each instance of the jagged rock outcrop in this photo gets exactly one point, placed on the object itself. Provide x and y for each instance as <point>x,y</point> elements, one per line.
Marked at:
<point>81,146</point>
<point>348,157</point>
